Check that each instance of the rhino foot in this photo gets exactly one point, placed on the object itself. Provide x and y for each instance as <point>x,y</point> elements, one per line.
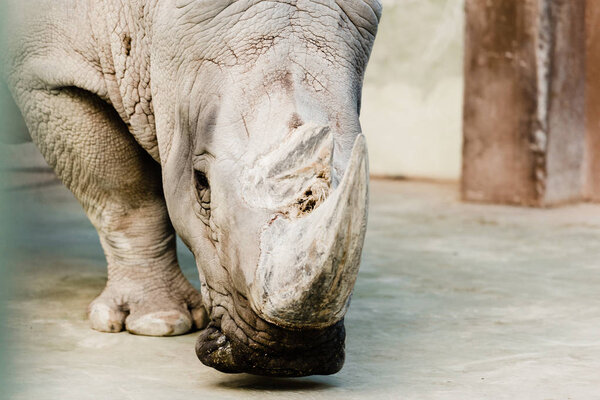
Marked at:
<point>154,308</point>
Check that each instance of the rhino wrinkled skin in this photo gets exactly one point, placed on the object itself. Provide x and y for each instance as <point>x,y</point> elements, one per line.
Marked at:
<point>233,124</point>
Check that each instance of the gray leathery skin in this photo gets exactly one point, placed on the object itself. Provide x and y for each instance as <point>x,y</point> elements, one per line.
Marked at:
<point>231,123</point>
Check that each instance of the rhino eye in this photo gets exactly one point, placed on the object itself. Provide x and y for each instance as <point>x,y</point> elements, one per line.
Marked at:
<point>201,181</point>
<point>202,195</point>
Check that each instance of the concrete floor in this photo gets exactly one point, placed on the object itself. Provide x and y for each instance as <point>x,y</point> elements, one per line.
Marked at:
<point>453,301</point>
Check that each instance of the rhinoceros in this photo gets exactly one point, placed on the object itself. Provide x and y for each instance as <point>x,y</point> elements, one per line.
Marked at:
<point>233,124</point>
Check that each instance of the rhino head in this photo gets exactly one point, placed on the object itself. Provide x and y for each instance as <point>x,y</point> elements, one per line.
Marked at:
<point>265,170</point>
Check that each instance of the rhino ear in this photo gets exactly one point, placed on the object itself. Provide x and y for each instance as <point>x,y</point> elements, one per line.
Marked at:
<point>308,266</point>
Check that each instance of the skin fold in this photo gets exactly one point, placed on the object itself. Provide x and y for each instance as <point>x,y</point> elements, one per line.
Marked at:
<point>233,124</point>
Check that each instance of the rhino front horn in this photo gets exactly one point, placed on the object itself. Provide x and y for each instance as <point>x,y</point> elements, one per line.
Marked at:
<point>308,266</point>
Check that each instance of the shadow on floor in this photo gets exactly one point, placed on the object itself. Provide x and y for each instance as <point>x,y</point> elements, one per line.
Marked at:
<point>250,382</point>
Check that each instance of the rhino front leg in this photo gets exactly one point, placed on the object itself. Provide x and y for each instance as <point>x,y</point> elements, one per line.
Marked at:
<point>146,292</point>
<point>119,186</point>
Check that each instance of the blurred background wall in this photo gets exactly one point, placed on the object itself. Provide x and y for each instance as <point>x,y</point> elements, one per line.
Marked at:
<point>412,97</point>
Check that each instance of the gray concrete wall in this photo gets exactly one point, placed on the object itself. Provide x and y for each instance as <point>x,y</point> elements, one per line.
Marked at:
<point>412,98</point>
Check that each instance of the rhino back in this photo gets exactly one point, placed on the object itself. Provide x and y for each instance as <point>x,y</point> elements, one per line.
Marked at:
<point>94,45</point>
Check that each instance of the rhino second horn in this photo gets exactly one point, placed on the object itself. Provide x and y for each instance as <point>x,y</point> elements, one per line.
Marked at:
<point>308,266</point>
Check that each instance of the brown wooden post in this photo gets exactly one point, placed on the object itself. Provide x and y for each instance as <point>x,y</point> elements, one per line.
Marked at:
<point>592,22</point>
<point>524,119</point>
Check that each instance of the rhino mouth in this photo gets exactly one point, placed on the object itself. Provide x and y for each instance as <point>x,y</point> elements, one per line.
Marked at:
<point>229,344</point>
<point>229,355</point>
